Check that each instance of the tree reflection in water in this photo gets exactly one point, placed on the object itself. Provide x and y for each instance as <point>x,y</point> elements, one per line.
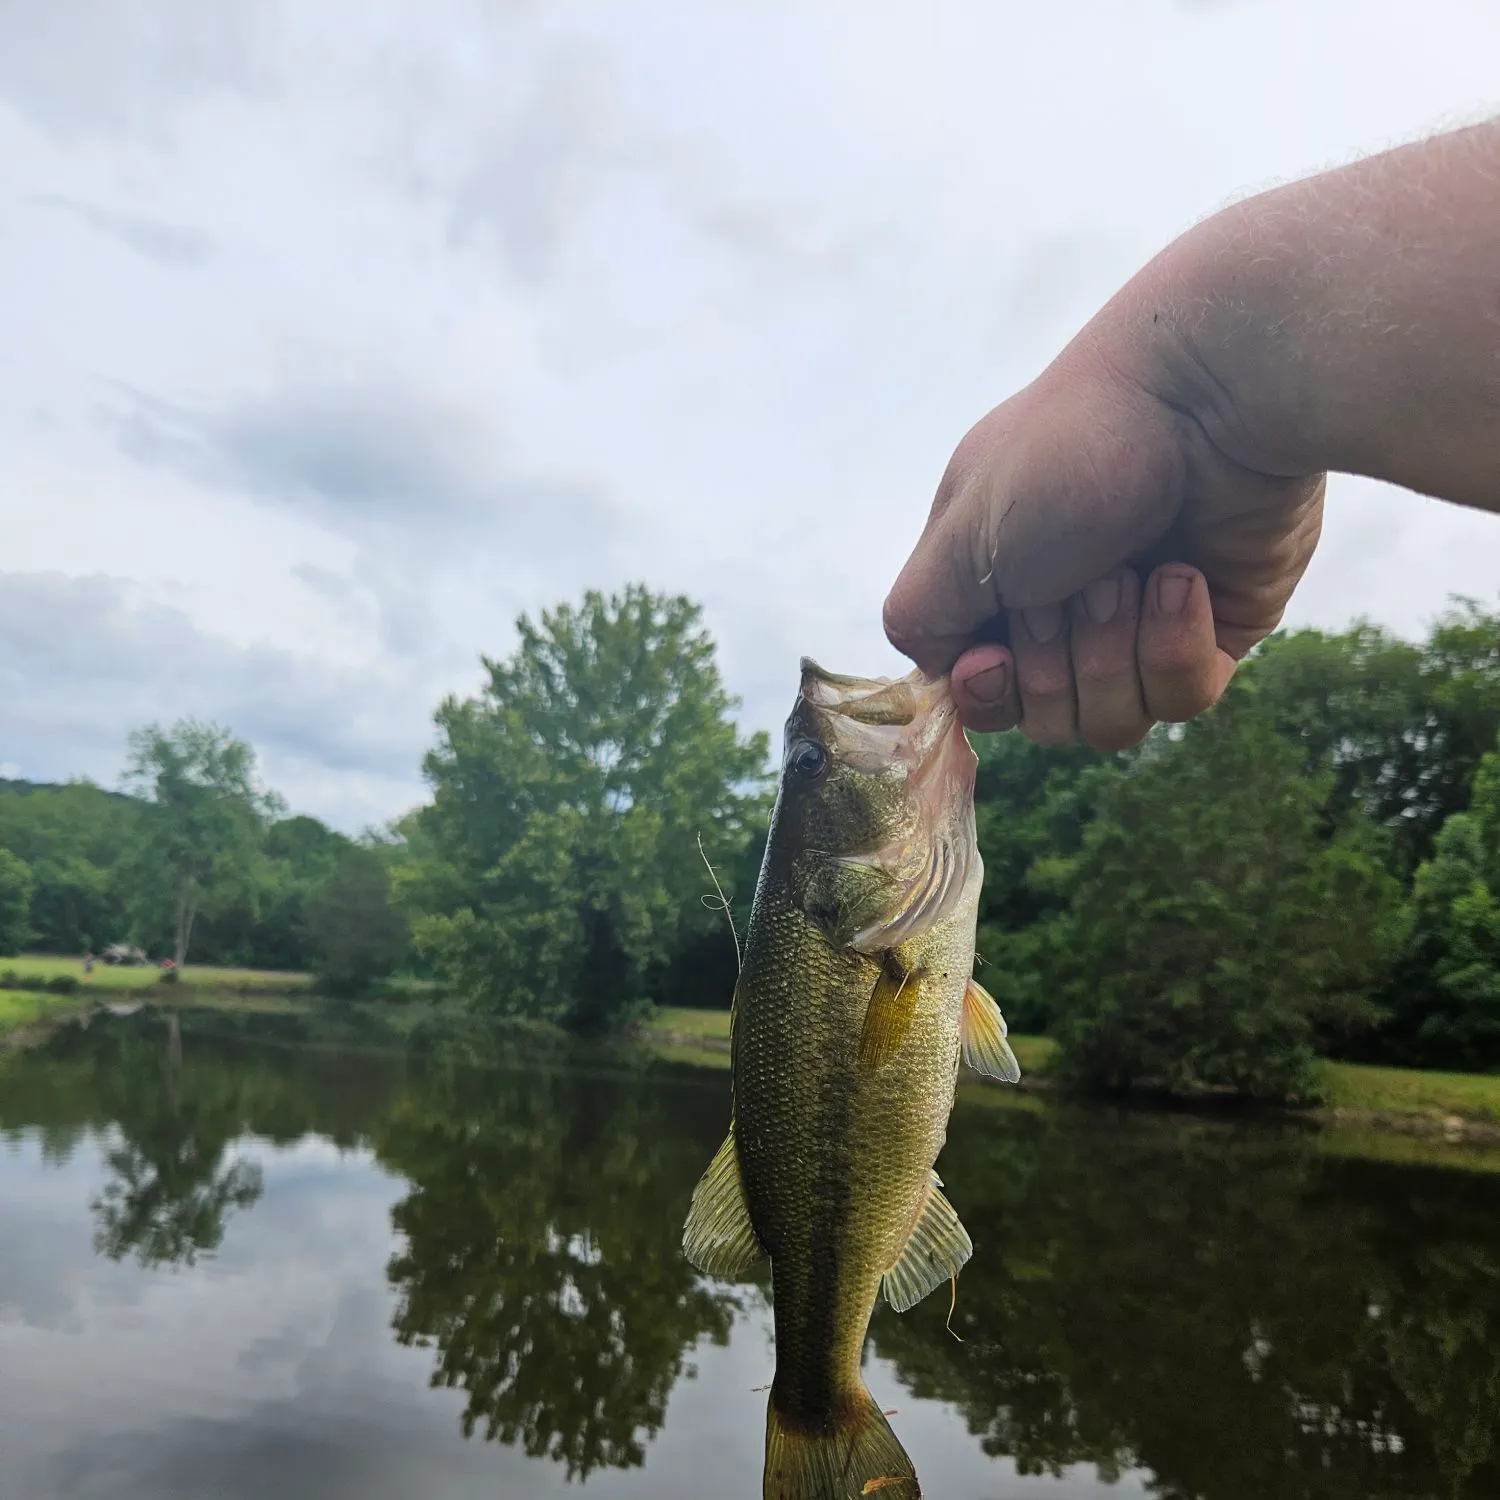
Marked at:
<point>543,1256</point>
<point>1229,1307</point>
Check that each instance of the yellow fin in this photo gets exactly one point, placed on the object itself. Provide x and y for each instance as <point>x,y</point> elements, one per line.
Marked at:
<point>719,1238</point>
<point>888,1018</point>
<point>985,1047</point>
<point>855,1455</point>
<point>935,1253</point>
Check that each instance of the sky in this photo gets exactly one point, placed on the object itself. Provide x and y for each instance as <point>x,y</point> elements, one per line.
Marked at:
<point>334,337</point>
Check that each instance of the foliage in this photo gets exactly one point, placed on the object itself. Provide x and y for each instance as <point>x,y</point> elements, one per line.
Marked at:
<point>1030,804</point>
<point>1212,929</point>
<point>74,837</point>
<point>202,826</point>
<point>1447,995</point>
<point>563,876</point>
<point>357,936</point>
<point>1401,727</point>
<point>16,887</point>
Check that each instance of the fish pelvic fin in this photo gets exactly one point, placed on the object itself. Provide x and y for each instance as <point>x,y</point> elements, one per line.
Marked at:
<point>984,1034</point>
<point>719,1239</point>
<point>934,1253</point>
<point>888,1018</point>
<point>850,1457</point>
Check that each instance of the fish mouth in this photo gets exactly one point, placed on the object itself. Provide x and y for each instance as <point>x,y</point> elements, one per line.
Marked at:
<point>883,722</point>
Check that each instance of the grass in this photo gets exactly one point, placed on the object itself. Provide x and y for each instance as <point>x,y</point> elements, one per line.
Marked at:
<point>703,1036</point>
<point>20,1008</point>
<point>43,966</point>
<point>689,1025</point>
<point>1407,1091</point>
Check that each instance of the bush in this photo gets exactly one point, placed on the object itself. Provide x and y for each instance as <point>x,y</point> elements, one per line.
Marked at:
<point>11,980</point>
<point>61,984</point>
<point>1216,931</point>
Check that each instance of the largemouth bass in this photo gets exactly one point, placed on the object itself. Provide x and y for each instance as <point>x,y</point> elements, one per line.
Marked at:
<point>854,1005</point>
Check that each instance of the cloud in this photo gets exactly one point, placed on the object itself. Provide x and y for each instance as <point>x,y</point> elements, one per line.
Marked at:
<point>80,71</point>
<point>85,660</point>
<point>170,244</point>
<point>361,460</point>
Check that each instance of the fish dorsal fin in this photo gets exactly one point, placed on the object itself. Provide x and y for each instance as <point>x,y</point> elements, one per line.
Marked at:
<point>889,1014</point>
<point>719,1238</point>
<point>935,1252</point>
<point>984,1031</point>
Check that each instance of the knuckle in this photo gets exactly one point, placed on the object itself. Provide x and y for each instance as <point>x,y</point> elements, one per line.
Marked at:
<point>1048,680</point>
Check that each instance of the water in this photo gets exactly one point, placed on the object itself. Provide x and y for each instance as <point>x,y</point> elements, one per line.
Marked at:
<point>234,1265</point>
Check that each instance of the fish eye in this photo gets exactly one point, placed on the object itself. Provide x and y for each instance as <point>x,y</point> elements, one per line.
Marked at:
<point>808,759</point>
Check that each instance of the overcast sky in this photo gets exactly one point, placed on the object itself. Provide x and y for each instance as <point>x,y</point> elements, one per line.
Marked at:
<point>332,336</point>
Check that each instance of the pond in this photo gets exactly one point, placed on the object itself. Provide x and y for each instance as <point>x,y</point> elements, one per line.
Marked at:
<point>237,1264</point>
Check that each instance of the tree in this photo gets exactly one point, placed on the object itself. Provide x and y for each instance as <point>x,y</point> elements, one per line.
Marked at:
<point>563,873</point>
<point>16,886</point>
<point>357,937</point>
<point>1401,727</point>
<point>201,833</point>
<point>1030,803</point>
<point>1214,930</point>
<point>1447,991</point>
<point>75,838</point>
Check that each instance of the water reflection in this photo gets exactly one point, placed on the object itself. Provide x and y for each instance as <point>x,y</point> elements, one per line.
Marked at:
<point>1232,1310</point>
<point>542,1257</point>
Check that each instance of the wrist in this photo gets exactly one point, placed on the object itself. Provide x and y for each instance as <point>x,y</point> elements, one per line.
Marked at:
<point>1236,312</point>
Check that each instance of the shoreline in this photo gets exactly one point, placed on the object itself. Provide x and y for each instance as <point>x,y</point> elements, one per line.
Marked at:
<point>707,1046</point>
<point>1435,1114</point>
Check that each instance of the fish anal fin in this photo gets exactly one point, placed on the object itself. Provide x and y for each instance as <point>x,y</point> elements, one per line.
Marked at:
<point>985,1048</point>
<point>854,1454</point>
<point>888,1017</point>
<point>719,1238</point>
<point>934,1253</point>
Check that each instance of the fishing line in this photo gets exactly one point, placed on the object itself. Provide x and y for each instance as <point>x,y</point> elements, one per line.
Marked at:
<point>721,904</point>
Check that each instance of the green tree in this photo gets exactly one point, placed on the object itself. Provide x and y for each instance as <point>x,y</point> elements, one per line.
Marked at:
<point>1030,804</point>
<point>1213,929</point>
<point>1446,996</point>
<point>202,829</point>
<point>1400,727</point>
<point>563,873</point>
<point>16,886</point>
<point>75,838</point>
<point>357,936</point>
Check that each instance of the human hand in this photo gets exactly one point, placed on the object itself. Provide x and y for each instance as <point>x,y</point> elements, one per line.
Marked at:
<point>1095,560</point>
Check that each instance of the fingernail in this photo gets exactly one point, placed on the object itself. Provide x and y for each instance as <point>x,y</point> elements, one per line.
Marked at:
<point>989,686</point>
<point>1101,599</point>
<point>1172,593</point>
<point>1043,622</point>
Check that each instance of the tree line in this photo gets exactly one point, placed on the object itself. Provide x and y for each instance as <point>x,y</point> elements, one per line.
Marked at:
<point>1313,869</point>
<point>196,859</point>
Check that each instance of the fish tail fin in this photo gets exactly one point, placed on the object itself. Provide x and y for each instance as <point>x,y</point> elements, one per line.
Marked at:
<point>851,1457</point>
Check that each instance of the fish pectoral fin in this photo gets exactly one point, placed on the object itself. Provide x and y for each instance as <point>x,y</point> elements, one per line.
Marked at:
<point>888,1017</point>
<point>936,1251</point>
<point>984,1036</point>
<point>719,1238</point>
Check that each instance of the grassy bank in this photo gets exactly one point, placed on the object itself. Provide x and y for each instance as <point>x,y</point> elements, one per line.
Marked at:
<point>1444,1099</point>
<point>29,1005</point>
<point>703,1035</point>
<point>1461,1105</point>
<point>37,968</point>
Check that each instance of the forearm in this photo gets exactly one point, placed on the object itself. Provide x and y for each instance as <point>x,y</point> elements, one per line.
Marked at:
<point>1349,322</point>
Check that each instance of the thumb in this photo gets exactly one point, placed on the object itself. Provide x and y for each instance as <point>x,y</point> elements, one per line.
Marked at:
<point>1050,491</point>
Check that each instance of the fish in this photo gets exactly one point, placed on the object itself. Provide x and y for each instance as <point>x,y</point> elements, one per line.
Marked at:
<point>854,1005</point>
